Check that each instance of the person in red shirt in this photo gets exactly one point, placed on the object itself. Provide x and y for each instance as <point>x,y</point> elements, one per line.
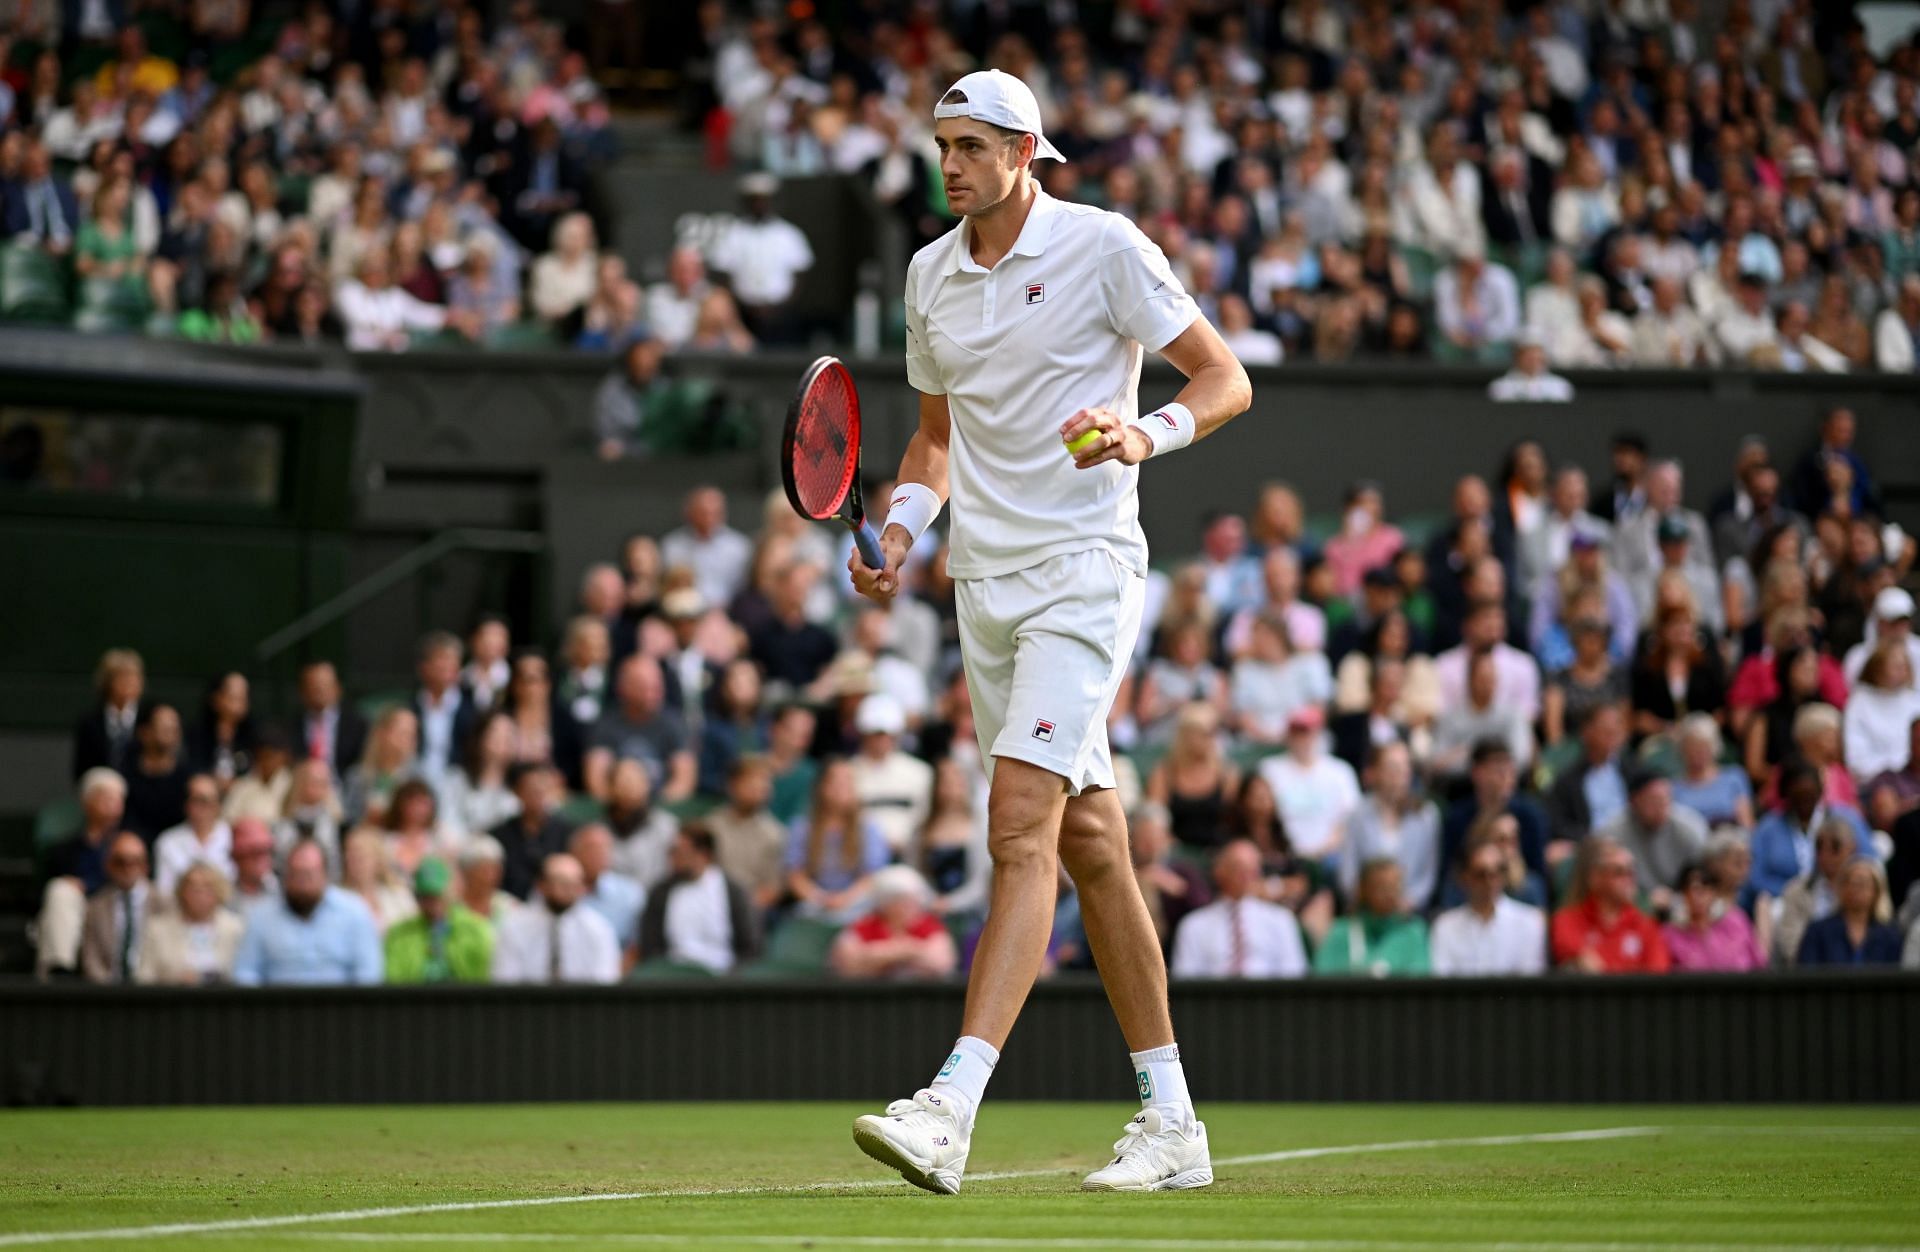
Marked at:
<point>900,938</point>
<point>1600,931</point>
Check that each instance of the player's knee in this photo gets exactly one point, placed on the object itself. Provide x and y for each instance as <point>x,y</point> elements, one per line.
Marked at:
<point>1090,849</point>
<point>1019,835</point>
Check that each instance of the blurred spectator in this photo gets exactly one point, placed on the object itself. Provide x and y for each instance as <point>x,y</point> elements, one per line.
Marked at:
<point>1476,303</point>
<point>1705,934</point>
<point>1663,838</point>
<point>1881,711</point>
<point>697,916</point>
<point>1172,886</point>
<point>900,938</point>
<point>1677,674</point>
<point>1812,483</point>
<point>644,829</point>
<point>1238,935</point>
<point>613,895</point>
<point>1494,776</point>
<point>791,649</point>
<point>1382,936</point>
<point>261,790</point>
<point>952,845</point>
<point>368,873</point>
<point>311,811</point>
<point>203,839</point>
<point>1896,332</point>
<point>1366,542</point>
<point>1516,676</point>
<point>1529,378</point>
<point>1815,895</point>
<point>157,775</point>
<point>444,941</point>
<point>1855,934</point>
<point>327,729</point>
<point>1592,790</point>
<point>485,675</point>
<point>673,306</point>
<point>116,915</point>
<point>476,794</point>
<point>564,279</point>
<point>558,939</point>
<point>1272,680</point>
<point>1557,608</point>
<point>1479,717</point>
<point>380,317</point>
<point>482,866</point>
<point>636,726</point>
<point>833,851</point>
<point>750,842</point>
<point>1182,677</point>
<point>314,935</point>
<point>894,788</point>
<point>37,209</point>
<point>477,303</point>
<point>254,882</point>
<point>1783,842</point>
<point>1590,679</point>
<point>194,943</point>
<point>105,736</point>
<point>535,833</point>
<point>1720,793</point>
<point>221,740</point>
<point>1598,930</point>
<point>390,758</point>
<point>762,255</point>
<point>737,724</point>
<point>1195,781</point>
<point>715,553</point>
<point>1492,933</point>
<point>1892,625</point>
<point>1317,793</point>
<point>1669,334</point>
<point>446,711</point>
<point>620,406</point>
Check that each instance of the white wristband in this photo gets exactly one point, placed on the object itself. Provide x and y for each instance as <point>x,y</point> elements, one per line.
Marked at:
<point>1169,428</point>
<point>913,508</point>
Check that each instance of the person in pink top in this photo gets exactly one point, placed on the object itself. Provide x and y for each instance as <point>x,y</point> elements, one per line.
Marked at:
<point>1709,933</point>
<point>1365,541</point>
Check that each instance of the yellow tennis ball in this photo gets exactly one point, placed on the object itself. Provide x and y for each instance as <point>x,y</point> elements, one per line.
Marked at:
<point>1083,441</point>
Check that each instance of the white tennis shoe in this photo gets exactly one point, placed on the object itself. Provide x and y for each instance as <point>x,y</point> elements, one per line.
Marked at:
<point>1155,1154</point>
<point>923,1138</point>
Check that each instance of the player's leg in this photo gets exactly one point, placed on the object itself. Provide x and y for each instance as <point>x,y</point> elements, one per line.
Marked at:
<point>1024,807</point>
<point>1164,1148</point>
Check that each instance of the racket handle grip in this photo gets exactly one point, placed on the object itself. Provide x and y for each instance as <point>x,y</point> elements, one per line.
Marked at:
<point>869,545</point>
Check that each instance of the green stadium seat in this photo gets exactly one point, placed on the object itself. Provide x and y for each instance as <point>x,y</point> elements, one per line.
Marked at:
<point>522,337</point>
<point>1553,760</point>
<point>33,285</point>
<point>797,948</point>
<point>580,809</point>
<point>664,970</point>
<point>54,821</point>
<point>111,304</point>
<point>1421,267</point>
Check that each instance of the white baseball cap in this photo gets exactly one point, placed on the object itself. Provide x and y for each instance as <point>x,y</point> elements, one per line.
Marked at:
<point>880,714</point>
<point>999,98</point>
<point>1892,603</point>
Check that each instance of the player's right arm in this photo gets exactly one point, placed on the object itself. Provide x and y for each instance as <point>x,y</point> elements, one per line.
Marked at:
<point>924,462</point>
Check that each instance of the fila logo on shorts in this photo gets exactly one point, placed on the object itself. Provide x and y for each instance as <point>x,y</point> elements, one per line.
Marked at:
<point>1043,731</point>
<point>1036,292</point>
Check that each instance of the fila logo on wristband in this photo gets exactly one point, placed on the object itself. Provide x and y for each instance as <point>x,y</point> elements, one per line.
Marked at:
<point>897,500</point>
<point>1168,418</point>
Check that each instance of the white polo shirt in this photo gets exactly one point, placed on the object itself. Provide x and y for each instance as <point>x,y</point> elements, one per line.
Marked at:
<point>1062,323</point>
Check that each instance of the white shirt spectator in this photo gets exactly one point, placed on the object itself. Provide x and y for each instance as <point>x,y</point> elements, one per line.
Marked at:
<point>1256,347</point>
<point>1245,938</point>
<point>1856,658</point>
<point>699,922</point>
<point>719,561</point>
<point>179,850</point>
<point>1551,310</point>
<point>1262,694</point>
<point>1741,334</point>
<point>894,793</point>
<point>1894,347</point>
<point>1441,218</point>
<point>378,321</point>
<point>1544,387</point>
<point>1877,732</point>
<point>1516,679</point>
<point>524,951</point>
<point>763,259</point>
<point>642,856</point>
<point>1315,800</point>
<point>1676,339</point>
<point>1512,941</point>
<point>619,900</point>
<point>1495,316</point>
<point>671,316</point>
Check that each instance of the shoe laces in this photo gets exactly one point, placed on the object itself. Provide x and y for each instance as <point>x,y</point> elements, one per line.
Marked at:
<point>926,1103</point>
<point>1138,1134</point>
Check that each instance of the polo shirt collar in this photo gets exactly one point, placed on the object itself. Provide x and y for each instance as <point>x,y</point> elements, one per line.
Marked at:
<point>1034,235</point>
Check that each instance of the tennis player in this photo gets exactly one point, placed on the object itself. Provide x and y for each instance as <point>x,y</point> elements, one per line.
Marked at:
<point>1026,327</point>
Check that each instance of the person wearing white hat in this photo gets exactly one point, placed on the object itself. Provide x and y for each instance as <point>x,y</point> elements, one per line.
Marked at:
<point>895,787</point>
<point>1892,619</point>
<point>1026,328</point>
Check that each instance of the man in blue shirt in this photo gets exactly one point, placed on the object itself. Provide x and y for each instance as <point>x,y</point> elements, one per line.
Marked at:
<point>315,935</point>
<point>1783,841</point>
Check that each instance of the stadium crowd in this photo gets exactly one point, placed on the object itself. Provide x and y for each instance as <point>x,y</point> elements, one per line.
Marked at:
<point>1577,725</point>
<point>364,173</point>
<point>1629,183</point>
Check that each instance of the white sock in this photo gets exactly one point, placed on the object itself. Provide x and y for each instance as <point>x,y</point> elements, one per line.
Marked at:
<point>964,1076</point>
<point>1162,1083</point>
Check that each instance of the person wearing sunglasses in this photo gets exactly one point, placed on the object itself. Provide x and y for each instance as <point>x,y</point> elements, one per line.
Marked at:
<point>1492,933</point>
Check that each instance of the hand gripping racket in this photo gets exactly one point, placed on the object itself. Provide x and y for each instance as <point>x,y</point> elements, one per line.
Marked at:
<point>820,453</point>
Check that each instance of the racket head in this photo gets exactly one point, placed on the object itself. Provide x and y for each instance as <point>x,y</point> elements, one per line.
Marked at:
<point>820,446</point>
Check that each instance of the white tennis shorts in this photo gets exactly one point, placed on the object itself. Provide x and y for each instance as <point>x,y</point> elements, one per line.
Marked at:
<point>1045,650</point>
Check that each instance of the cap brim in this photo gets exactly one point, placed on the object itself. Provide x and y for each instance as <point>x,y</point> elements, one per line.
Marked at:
<point>1042,148</point>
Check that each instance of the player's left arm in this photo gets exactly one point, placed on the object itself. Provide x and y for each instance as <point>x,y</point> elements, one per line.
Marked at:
<point>1217,391</point>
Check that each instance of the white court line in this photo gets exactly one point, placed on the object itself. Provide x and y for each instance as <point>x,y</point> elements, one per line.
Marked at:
<point>984,1241</point>
<point>473,1206</point>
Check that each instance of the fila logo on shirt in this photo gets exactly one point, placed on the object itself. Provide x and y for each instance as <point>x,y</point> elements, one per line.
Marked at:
<point>1043,731</point>
<point>1036,292</point>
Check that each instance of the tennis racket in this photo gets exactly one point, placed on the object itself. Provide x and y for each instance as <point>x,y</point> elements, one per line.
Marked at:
<point>820,453</point>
